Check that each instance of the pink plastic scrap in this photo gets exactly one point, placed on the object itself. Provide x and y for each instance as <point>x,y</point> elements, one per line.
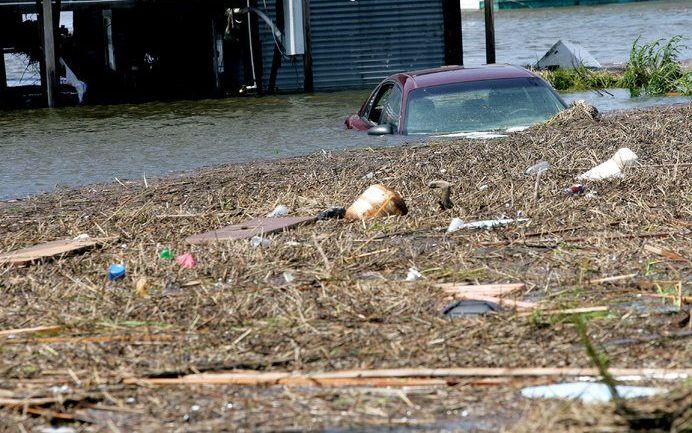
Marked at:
<point>186,261</point>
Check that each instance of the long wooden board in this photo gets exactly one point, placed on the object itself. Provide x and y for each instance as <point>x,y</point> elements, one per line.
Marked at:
<point>248,229</point>
<point>50,249</point>
<point>481,289</point>
<point>338,377</point>
<point>35,330</point>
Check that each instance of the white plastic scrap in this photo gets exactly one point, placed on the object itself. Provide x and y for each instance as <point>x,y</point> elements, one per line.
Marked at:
<point>479,135</point>
<point>455,225</point>
<point>613,167</point>
<point>61,429</point>
<point>458,223</point>
<point>82,238</point>
<point>413,275</point>
<point>259,241</point>
<point>279,211</point>
<point>62,389</point>
<point>587,392</point>
<point>537,168</point>
<point>288,277</point>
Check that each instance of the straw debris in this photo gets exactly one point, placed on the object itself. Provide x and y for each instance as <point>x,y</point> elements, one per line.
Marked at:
<point>346,305</point>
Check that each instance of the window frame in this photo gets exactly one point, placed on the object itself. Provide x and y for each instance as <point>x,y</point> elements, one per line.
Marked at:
<point>377,94</point>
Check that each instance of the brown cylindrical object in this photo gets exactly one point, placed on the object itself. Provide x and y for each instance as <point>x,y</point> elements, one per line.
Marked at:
<point>377,201</point>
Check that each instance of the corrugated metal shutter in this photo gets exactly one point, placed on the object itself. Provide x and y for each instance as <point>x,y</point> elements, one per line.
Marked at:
<point>355,44</point>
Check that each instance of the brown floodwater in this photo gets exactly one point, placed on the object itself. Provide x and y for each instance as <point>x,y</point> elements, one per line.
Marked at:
<point>74,146</point>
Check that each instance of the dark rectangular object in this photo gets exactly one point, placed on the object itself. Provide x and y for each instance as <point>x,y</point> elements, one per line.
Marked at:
<point>454,48</point>
<point>489,33</point>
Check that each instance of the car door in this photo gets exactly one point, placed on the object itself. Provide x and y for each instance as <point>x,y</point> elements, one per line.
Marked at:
<point>385,106</point>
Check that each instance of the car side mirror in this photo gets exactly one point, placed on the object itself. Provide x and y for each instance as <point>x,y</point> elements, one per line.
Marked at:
<point>385,129</point>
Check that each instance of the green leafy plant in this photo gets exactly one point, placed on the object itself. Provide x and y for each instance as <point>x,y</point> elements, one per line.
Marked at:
<point>653,68</point>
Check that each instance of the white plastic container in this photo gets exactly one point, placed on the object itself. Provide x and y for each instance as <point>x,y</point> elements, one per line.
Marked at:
<point>611,168</point>
<point>377,201</point>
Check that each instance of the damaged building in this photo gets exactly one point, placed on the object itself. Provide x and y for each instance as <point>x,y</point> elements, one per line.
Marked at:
<point>136,50</point>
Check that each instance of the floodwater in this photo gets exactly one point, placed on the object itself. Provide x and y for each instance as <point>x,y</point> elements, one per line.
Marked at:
<point>74,146</point>
<point>522,36</point>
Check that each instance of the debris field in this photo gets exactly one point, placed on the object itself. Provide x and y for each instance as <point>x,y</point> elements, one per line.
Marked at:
<point>338,323</point>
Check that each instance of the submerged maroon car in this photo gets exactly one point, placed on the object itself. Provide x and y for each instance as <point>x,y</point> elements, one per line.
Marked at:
<point>456,99</point>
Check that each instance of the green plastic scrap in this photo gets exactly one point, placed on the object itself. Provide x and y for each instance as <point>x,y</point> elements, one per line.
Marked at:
<point>166,254</point>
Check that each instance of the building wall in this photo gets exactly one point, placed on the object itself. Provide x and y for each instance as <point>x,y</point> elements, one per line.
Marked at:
<point>355,44</point>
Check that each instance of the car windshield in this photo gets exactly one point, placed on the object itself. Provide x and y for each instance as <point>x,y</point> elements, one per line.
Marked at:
<point>485,105</point>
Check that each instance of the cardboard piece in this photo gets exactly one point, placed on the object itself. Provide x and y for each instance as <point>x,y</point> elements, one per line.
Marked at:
<point>248,229</point>
<point>50,249</point>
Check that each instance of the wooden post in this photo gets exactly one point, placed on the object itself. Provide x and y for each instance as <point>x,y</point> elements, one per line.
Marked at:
<point>50,78</point>
<point>308,82</point>
<point>489,33</point>
<point>454,50</point>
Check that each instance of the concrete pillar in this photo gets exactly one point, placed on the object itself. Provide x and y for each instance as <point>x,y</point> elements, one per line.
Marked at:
<point>50,78</point>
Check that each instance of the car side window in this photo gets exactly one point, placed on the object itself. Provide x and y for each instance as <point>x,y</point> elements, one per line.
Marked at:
<point>392,108</point>
<point>386,106</point>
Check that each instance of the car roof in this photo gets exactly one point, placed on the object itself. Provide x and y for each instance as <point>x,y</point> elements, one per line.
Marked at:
<point>458,74</point>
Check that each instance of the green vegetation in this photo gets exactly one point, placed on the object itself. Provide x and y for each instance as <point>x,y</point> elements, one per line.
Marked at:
<point>581,78</point>
<point>653,69</point>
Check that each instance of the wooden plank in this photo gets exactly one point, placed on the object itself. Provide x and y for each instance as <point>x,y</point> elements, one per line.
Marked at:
<point>481,289</point>
<point>135,339</point>
<point>248,229</point>
<point>582,310</point>
<point>50,249</point>
<point>37,329</point>
<point>28,401</point>
<point>611,279</point>
<point>377,376</point>
<point>663,252</point>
